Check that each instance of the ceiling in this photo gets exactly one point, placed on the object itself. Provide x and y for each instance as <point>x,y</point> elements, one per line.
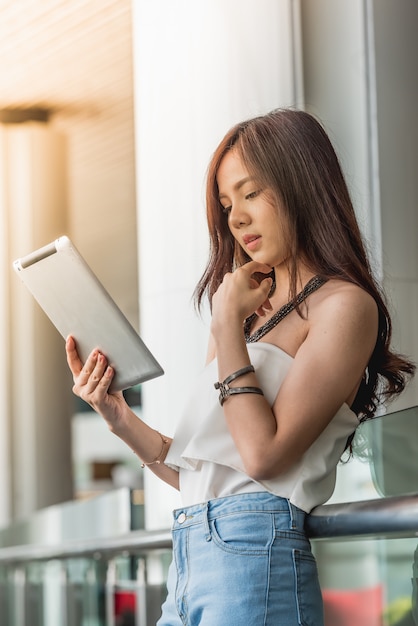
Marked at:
<point>72,57</point>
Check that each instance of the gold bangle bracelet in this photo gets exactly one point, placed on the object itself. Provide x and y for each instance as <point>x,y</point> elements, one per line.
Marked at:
<point>157,459</point>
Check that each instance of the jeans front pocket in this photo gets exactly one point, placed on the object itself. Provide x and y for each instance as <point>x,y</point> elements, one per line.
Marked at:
<point>246,533</point>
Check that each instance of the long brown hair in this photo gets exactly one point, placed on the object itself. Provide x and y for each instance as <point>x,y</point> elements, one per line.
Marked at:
<point>289,152</point>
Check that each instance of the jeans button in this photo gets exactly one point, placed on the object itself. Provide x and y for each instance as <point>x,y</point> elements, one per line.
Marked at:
<point>181,518</point>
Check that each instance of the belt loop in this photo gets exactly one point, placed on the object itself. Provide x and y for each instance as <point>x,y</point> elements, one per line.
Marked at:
<point>206,527</point>
<point>293,522</point>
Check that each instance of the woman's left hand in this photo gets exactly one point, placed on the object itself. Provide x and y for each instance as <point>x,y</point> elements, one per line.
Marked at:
<point>240,294</point>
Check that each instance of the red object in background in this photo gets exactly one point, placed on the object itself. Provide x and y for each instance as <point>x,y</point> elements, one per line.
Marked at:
<point>354,607</point>
<point>125,602</point>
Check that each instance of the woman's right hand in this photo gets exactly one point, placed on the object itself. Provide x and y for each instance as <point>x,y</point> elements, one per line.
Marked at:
<point>91,383</point>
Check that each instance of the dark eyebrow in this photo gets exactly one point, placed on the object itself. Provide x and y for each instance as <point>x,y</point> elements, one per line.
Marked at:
<point>239,184</point>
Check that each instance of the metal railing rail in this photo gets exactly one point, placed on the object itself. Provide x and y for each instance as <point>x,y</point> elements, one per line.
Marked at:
<point>385,518</point>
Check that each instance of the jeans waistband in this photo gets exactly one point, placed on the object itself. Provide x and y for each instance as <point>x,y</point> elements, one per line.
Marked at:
<point>261,502</point>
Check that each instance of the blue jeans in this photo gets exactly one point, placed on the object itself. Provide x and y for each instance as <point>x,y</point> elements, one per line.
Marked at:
<point>242,560</point>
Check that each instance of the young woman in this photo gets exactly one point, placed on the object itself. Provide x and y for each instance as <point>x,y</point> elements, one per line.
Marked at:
<point>299,353</point>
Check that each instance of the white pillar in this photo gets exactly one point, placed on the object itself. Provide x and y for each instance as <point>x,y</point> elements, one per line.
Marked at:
<point>5,378</point>
<point>200,67</point>
<point>35,400</point>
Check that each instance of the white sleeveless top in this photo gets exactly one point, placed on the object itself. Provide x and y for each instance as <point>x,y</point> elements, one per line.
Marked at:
<point>208,461</point>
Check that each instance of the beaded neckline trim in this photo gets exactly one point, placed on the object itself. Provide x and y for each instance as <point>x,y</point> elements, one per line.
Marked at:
<point>310,287</point>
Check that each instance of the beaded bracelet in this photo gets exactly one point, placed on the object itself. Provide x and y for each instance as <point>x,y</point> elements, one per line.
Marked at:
<point>157,459</point>
<point>225,390</point>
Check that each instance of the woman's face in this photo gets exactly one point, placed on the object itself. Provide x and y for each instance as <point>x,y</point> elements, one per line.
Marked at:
<point>258,225</point>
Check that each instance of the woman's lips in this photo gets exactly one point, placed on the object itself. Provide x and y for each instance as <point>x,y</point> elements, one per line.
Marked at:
<point>251,241</point>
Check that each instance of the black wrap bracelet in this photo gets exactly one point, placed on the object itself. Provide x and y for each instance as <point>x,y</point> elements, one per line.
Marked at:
<point>225,390</point>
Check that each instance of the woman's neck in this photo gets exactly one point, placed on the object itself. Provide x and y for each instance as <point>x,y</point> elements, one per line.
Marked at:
<point>282,292</point>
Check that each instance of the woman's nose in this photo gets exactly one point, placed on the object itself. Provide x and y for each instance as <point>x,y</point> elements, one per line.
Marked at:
<point>238,216</point>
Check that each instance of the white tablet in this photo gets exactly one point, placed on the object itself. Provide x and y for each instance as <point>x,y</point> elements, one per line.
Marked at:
<point>77,304</point>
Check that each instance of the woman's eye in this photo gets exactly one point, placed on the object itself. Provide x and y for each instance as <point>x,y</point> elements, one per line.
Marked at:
<point>226,209</point>
<point>252,195</point>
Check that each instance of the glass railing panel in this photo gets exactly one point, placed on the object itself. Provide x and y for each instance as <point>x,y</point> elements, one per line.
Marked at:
<point>5,596</point>
<point>392,444</point>
<point>136,588</point>
<point>16,580</point>
<point>384,461</point>
<point>123,590</point>
<point>369,582</point>
<point>34,605</point>
<point>85,591</point>
<point>157,564</point>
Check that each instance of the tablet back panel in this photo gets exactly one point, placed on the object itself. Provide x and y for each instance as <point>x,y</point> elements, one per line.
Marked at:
<point>78,305</point>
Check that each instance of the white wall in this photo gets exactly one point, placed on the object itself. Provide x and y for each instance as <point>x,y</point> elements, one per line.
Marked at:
<point>359,59</point>
<point>200,67</point>
<point>396,47</point>
<point>336,82</point>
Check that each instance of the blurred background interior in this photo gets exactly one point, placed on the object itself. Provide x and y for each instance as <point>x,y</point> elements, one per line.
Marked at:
<point>109,112</point>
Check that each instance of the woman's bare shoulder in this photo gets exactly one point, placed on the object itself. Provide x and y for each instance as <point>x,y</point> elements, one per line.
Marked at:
<point>340,301</point>
<point>341,293</point>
